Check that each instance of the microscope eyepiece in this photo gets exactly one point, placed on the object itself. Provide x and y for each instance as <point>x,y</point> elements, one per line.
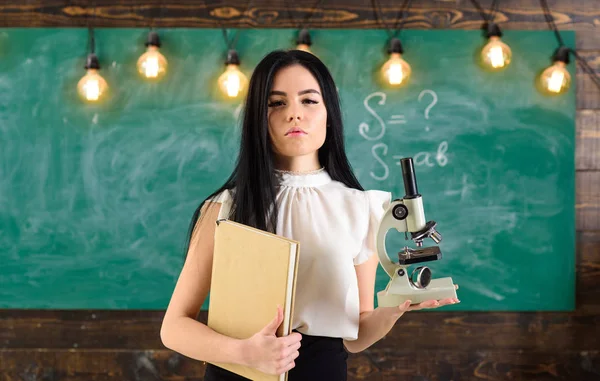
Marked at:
<point>410,181</point>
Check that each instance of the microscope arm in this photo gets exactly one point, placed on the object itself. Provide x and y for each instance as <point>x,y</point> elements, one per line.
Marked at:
<point>386,223</point>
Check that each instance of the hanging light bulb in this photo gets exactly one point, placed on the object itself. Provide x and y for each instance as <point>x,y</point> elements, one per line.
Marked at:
<point>556,79</point>
<point>92,86</point>
<point>152,64</point>
<point>232,82</point>
<point>495,55</point>
<point>304,42</point>
<point>395,71</point>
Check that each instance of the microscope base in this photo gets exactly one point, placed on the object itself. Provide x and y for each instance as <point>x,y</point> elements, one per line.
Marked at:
<point>441,288</point>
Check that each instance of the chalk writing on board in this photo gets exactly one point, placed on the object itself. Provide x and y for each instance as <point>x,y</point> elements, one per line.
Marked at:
<point>437,156</point>
<point>429,159</point>
<point>428,108</point>
<point>465,189</point>
<point>364,128</point>
<point>397,119</point>
<point>386,170</point>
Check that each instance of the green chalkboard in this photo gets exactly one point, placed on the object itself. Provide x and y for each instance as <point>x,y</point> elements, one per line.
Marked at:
<point>95,200</point>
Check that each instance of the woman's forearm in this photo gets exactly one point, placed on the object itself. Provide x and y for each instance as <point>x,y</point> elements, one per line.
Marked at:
<point>196,340</point>
<point>371,329</point>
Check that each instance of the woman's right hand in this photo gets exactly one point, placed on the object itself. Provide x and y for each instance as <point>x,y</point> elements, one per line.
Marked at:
<point>269,353</point>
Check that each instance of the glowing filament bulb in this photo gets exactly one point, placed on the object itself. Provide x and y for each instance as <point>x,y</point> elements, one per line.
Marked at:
<point>556,79</point>
<point>232,82</point>
<point>152,64</point>
<point>395,71</point>
<point>496,54</point>
<point>91,87</point>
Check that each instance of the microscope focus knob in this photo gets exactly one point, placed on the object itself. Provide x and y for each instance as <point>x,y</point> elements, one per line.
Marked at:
<point>400,212</point>
<point>421,277</point>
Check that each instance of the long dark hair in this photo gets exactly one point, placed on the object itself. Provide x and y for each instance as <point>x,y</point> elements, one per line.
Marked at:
<point>253,179</point>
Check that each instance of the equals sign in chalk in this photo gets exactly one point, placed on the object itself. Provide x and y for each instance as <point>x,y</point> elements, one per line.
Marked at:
<point>397,119</point>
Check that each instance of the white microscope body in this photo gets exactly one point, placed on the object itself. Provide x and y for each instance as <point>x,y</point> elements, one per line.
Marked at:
<point>407,215</point>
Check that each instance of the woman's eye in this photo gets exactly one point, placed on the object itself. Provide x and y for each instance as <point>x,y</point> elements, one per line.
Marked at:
<point>275,104</point>
<point>310,101</point>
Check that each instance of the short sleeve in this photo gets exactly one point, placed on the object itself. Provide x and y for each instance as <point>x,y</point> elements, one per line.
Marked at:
<point>377,203</point>
<point>225,199</point>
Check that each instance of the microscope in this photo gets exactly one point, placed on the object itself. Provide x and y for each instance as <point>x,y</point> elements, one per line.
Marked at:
<point>407,215</point>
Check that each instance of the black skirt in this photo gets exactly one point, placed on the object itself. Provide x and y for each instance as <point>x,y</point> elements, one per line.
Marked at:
<point>320,359</point>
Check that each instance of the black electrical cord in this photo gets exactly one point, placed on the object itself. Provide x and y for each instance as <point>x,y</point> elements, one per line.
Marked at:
<point>91,61</point>
<point>392,32</point>
<point>550,20</point>
<point>487,18</point>
<point>231,43</point>
<point>91,43</point>
<point>303,24</point>
<point>586,67</point>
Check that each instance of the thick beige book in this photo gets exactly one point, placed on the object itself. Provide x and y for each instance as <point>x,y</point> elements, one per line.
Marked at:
<point>253,272</point>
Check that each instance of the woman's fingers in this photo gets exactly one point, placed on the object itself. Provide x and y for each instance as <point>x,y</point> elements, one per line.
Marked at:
<point>291,350</point>
<point>286,368</point>
<point>288,363</point>
<point>434,304</point>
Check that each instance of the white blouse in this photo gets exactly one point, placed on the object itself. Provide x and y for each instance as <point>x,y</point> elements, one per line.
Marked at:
<point>335,226</point>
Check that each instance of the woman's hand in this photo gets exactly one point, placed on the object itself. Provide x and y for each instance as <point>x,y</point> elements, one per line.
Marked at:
<point>377,323</point>
<point>389,315</point>
<point>269,353</point>
<point>433,304</point>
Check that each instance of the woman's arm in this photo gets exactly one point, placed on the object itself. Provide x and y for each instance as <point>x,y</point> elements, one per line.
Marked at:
<point>375,324</point>
<point>371,329</point>
<point>180,331</point>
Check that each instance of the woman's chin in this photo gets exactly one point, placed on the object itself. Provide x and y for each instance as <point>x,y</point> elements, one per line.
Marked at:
<point>297,151</point>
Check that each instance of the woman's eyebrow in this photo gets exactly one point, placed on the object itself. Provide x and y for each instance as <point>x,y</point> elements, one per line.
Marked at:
<point>283,93</point>
<point>308,91</point>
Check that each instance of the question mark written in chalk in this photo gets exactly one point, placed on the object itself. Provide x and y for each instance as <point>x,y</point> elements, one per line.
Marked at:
<point>433,103</point>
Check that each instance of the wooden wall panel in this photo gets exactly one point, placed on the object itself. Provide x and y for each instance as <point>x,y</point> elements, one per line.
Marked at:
<point>588,93</point>
<point>377,365</point>
<point>579,15</point>
<point>588,200</point>
<point>588,140</point>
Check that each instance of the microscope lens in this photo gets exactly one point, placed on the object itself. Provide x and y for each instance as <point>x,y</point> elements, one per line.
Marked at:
<point>410,181</point>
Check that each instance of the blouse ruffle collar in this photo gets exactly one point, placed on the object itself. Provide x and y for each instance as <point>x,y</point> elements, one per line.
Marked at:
<point>303,179</point>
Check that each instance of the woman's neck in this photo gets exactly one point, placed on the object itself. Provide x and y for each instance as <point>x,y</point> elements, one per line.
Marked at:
<point>298,164</point>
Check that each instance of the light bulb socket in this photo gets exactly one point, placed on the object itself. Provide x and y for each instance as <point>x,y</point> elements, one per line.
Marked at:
<point>395,46</point>
<point>562,54</point>
<point>153,39</point>
<point>492,30</point>
<point>92,62</point>
<point>304,38</point>
<point>232,58</point>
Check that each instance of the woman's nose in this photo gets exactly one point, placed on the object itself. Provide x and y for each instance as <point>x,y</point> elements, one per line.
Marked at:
<point>294,114</point>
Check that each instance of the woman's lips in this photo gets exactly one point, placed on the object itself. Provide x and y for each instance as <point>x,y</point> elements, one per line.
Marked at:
<point>295,131</point>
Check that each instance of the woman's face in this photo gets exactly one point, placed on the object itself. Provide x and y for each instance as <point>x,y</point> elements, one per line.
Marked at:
<point>297,115</point>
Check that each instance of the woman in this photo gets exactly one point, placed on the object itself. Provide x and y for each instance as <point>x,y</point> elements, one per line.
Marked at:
<point>292,177</point>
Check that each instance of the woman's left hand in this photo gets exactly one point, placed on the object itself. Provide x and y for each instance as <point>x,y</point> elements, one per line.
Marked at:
<point>387,316</point>
<point>377,323</point>
<point>433,304</point>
